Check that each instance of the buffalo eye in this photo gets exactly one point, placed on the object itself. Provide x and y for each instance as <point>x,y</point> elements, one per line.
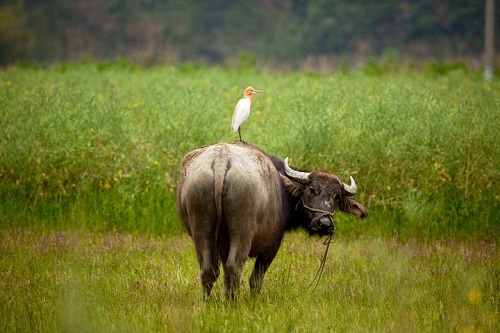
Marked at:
<point>312,189</point>
<point>336,196</point>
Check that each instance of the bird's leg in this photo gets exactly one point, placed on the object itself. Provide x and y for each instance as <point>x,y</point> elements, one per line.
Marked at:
<point>239,133</point>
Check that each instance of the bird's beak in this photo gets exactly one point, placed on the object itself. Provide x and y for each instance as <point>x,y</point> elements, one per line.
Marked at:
<point>255,91</point>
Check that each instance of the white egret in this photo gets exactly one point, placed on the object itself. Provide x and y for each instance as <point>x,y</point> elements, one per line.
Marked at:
<point>242,109</point>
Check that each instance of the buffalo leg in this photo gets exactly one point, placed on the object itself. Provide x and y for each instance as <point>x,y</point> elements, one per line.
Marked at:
<point>209,266</point>
<point>208,276</point>
<point>233,265</point>
<point>232,277</point>
<point>262,263</point>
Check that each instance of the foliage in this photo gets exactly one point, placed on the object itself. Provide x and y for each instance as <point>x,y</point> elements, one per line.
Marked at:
<point>100,282</point>
<point>277,32</point>
<point>99,146</point>
<point>15,36</point>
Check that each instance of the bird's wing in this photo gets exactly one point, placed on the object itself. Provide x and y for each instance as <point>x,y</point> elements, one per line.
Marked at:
<point>241,113</point>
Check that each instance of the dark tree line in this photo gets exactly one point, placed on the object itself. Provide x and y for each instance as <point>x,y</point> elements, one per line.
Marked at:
<point>217,31</point>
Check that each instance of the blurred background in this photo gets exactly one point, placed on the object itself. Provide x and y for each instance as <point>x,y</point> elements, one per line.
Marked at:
<point>292,34</point>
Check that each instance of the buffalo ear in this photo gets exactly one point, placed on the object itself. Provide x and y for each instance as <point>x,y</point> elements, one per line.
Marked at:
<point>293,188</point>
<point>351,206</point>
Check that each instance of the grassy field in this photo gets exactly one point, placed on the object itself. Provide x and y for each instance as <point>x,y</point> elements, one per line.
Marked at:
<point>100,146</point>
<point>100,282</point>
<point>91,241</point>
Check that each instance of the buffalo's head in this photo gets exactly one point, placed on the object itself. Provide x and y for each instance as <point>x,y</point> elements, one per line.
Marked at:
<point>320,195</point>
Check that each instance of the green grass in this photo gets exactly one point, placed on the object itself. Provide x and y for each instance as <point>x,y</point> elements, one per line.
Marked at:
<point>99,146</point>
<point>100,282</point>
<point>90,239</point>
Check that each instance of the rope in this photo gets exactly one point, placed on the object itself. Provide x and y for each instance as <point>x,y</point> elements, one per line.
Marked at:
<point>329,240</point>
<point>323,212</point>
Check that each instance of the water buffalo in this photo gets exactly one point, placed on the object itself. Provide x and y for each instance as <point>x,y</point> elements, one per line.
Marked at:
<point>236,201</point>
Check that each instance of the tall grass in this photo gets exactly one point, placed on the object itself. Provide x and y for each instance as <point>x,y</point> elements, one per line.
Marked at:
<point>99,146</point>
<point>112,282</point>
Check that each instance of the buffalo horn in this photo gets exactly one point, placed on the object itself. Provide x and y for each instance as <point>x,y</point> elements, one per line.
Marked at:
<point>350,189</point>
<point>301,177</point>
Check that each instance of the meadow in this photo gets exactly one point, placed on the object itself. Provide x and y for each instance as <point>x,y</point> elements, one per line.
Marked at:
<point>112,282</point>
<point>89,159</point>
